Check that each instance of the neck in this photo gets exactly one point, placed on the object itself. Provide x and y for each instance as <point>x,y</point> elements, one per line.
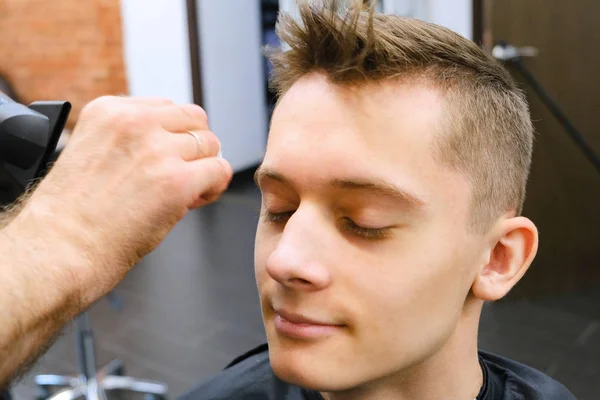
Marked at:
<point>453,372</point>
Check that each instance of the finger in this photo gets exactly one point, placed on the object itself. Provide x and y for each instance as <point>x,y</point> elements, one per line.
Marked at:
<point>181,118</point>
<point>188,148</point>
<point>210,177</point>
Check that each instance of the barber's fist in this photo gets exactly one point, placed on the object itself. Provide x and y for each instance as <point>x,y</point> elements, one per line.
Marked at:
<point>130,172</point>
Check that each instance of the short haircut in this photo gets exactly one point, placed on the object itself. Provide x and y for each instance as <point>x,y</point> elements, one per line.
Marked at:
<point>487,135</point>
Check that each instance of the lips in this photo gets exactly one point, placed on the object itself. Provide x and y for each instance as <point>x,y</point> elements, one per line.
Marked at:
<point>299,319</point>
<point>298,326</point>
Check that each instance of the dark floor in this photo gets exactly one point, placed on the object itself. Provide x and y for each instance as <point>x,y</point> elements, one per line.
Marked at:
<point>191,306</point>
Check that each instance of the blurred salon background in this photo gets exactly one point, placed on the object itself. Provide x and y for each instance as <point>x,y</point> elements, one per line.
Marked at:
<point>192,305</point>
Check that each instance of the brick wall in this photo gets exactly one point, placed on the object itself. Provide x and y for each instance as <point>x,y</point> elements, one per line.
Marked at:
<point>62,49</point>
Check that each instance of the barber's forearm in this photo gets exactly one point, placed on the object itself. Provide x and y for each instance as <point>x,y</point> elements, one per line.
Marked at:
<point>41,273</point>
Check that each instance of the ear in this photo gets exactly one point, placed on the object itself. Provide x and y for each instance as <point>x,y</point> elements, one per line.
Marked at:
<point>514,246</point>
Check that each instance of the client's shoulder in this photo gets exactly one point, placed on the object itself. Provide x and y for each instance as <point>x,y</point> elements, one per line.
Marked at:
<point>522,380</point>
<point>249,376</point>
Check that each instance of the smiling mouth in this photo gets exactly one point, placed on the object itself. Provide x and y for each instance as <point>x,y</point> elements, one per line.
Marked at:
<point>300,327</point>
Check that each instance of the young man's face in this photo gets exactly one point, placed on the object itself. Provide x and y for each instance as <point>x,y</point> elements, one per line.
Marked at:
<point>363,254</point>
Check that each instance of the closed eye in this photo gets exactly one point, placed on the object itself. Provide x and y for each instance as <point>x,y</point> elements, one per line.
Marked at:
<point>348,225</point>
<point>366,233</point>
<point>278,218</point>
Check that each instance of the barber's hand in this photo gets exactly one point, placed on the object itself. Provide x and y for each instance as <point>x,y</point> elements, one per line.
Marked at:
<point>129,173</point>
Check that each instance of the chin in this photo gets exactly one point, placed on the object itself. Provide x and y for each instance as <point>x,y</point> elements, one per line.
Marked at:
<point>301,372</point>
<point>310,365</point>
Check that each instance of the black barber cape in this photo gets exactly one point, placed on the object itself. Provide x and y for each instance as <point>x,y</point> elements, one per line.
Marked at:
<point>250,377</point>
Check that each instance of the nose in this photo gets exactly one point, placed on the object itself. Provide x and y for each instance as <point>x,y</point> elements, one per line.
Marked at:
<point>299,261</point>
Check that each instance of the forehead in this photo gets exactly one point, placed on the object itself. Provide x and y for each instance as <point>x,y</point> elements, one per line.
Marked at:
<point>322,132</point>
<point>320,128</point>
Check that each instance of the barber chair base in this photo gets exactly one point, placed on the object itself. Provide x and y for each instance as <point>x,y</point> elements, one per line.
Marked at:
<point>108,378</point>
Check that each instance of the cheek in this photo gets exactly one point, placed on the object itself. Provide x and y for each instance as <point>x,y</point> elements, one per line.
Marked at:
<point>412,300</point>
<point>424,282</point>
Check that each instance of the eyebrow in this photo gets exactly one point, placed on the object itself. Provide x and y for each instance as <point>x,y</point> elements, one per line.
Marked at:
<point>375,186</point>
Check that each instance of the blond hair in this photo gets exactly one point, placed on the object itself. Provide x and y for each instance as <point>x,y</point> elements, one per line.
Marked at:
<point>489,135</point>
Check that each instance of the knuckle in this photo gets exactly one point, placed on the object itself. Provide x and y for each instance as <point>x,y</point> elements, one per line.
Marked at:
<point>210,144</point>
<point>221,176</point>
<point>157,174</point>
<point>107,99</point>
<point>165,101</point>
<point>212,172</point>
<point>154,148</point>
<point>216,170</point>
<point>227,169</point>
<point>169,178</point>
<point>195,113</point>
<point>98,105</point>
<point>103,100</point>
<point>128,130</point>
<point>156,100</point>
<point>223,171</point>
<point>128,119</point>
<point>147,151</point>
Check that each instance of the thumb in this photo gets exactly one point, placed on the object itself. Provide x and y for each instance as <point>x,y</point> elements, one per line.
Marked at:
<point>210,177</point>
